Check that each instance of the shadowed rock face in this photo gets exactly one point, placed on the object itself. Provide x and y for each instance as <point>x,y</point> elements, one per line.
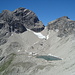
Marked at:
<point>64,25</point>
<point>20,19</point>
<point>4,32</point>
<point>29,19</point>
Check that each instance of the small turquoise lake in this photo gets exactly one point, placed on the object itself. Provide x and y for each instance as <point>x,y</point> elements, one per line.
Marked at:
<point>48,58</point>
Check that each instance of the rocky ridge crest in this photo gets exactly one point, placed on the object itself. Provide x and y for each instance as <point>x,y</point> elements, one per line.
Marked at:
<point>20,19</point>
<point>63,25</point>
<point>27,52</point>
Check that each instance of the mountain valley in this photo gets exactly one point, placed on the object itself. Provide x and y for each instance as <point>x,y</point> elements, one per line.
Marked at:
<point>27,47</point>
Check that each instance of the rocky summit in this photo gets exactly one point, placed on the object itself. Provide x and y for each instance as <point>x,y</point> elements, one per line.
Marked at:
<point>27,47</point>
<point>20,19</point>
<point>63,25</point>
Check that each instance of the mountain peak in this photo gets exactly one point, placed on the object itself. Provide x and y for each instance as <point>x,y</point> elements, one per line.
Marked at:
<point>64,25</point>
<point>64,17</point>
<point>21,17</point>
<point>35,53</point>
<point>18,21</point>
<point>21,9</point>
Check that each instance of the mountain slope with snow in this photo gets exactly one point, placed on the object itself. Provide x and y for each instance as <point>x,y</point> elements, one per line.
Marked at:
<point>29,48</point>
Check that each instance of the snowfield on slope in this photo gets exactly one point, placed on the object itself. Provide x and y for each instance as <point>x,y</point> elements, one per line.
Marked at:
<point>41,36</point>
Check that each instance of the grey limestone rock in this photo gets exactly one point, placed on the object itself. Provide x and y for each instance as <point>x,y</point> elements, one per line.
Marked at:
<point>64,25</point>
<point>28,19</point>
<point>20,19</point>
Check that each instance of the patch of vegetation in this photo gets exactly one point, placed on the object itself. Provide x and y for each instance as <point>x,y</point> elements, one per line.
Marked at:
<point>25,65</point>
<point>37,68</point>
<point>7,62</point>
<point>41,67</point>
<point>0,51</point>
<point>13,67</point>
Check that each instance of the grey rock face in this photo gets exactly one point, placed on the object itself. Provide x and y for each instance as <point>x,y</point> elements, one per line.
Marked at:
<point>17,27</point>
<point>20,19</point>
<point>4,32</point>
<point>64,25</point>
<point>28,19</point>
<point>38,27</point>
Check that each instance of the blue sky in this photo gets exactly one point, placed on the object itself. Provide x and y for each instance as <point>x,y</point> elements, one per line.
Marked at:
<point>46,10</point>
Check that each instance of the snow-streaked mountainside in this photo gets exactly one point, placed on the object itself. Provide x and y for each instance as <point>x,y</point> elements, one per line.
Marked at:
<point>27,47</point>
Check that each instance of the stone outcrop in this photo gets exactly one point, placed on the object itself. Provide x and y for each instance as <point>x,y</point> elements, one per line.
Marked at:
<point>28,19</point>
<point>20,19</point>
<point>63,25</point>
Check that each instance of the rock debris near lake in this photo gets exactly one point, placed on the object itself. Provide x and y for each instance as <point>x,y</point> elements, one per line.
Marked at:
<point>27,47</point>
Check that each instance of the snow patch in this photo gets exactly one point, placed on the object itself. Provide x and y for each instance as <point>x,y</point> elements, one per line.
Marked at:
<point>11,34</point>
<point>34,54</point>
<point>28,29</point>
<point>28,13</point>
<point>25,10</point>
<point>30,53</point>
<point>25,50</point>
<point>18,50</point>
<point>47,37</point>
<point>57,30</point>
<point>54,56</point>
<point>39,35</point>
<point>35,42</point>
